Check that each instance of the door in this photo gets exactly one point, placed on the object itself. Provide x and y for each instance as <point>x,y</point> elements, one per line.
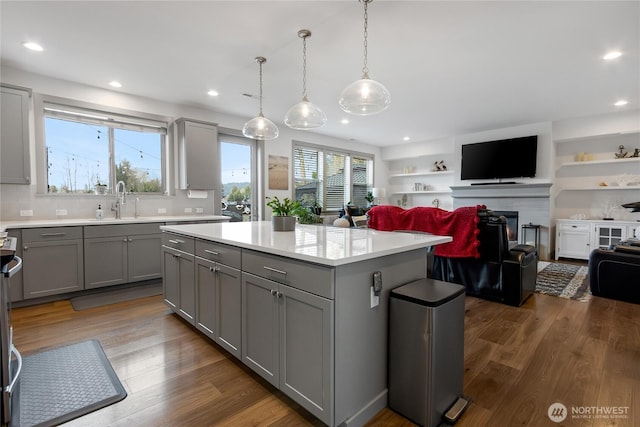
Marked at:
<point>306,349</point>
<point>229,308</point>
<point>608,235</point>
<point>238,178</point>
<point>105,261</point>
<point>52,267</point>
<point>206,300</point>
<point>260,337</point>
<point>171,277</point>
<point>143,257</point>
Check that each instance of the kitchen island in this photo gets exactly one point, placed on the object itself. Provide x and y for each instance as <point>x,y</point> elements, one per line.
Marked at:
<point>297,307</point>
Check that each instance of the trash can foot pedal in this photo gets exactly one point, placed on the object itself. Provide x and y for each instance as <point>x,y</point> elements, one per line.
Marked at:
<point>455,412</point>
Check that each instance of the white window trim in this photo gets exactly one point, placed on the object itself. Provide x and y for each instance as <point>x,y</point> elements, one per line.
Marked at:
<point>329,149</point>
<point>132,120</point>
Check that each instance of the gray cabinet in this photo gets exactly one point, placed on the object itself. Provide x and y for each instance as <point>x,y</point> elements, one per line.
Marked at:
<point>179,275</point>
<point>287,338</point>
<point>218,294</point>
<point>116,254</point>
<point>14,136</point>
<point>218,304</point>
<point>53,261</point>
<point>197,154</point>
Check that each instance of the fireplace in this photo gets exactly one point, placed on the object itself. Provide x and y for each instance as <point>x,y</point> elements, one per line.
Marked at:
<point>512,223</point>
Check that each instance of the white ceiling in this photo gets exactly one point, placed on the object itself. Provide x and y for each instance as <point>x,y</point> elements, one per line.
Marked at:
<point>451,67</point>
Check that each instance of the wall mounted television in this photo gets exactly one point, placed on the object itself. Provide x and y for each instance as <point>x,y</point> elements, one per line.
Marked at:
<point>500,159</point>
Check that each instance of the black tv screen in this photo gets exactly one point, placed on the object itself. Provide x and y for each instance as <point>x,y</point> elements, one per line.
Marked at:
<point>505,158</point>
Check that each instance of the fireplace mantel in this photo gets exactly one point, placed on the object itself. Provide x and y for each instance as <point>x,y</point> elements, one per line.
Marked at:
<point>510,191</point>
<point>532,201</point>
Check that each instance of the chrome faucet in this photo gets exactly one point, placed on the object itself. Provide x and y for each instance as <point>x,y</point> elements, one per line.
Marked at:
<point>121,199</point>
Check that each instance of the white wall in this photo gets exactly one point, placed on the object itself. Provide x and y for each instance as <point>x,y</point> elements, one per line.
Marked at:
<point>19,197</point>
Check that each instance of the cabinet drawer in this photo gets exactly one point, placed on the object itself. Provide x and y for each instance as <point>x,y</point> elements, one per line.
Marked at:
<point>179,242</point>
<point>572,226</point>
<point>219,252</point>
<point>51,233</point>
<point>309,277</point>
<point>91,231</point>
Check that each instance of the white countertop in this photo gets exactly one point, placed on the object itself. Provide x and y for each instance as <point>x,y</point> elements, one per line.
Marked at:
<point>328,245</point>
<point>35,223</point>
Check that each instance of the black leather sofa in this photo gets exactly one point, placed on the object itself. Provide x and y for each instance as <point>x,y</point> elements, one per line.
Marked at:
<point>615,273</point>
<point>502,274</point>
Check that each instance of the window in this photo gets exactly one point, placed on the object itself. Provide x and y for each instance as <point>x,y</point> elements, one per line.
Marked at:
<point>89,151</point>
<point>331,178</point>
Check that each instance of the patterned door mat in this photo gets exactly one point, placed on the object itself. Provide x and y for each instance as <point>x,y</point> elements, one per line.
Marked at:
<point>563,280</point>
<point>64,383</point>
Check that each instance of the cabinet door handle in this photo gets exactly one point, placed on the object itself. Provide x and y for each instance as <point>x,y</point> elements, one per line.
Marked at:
<point>130,240</point>
<point>574,226</point>
<point>124,240</point>
<point>176,255</point>
<point>275,270</point>
<point>25,247</point>
<point>279,294</point>
<point>211,269</point>
<point>274,292</point>
<point>212,252</point>
<point>52,234</point>
<point>176,241</point>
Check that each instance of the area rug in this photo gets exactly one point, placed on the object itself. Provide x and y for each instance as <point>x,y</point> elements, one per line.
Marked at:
<point>114,296</point>
<point>563,280</point>
<point>65,383</point>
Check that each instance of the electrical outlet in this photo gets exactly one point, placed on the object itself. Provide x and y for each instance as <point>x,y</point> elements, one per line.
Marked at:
<point>26,212</point>
<point>199,210</point>
<point>188,210</point>
<point>61,212</point>
<point>162,210</point>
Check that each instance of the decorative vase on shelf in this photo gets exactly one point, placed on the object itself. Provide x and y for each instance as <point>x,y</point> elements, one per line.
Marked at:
<point>283,223</point>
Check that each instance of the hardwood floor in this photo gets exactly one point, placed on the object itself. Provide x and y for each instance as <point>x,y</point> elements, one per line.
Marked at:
<point>518,361</point>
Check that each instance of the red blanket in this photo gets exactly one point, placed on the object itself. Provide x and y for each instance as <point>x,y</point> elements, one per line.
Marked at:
<point>461,224</point>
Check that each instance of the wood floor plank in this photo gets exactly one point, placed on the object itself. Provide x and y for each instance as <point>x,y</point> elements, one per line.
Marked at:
<point>518,360</point>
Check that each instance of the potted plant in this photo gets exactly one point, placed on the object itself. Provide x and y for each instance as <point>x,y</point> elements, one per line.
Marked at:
<point>101,189</point>
<point>369,198</point>
<point>283,212</point>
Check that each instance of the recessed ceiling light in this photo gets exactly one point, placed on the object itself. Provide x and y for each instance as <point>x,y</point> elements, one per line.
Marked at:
<point>344,121</point>
<point>612,55</point>
<point>33,46</point>
<point>621,103</point>
<point>213,93</point>
<point>115,83</point>
<point>406,138</point>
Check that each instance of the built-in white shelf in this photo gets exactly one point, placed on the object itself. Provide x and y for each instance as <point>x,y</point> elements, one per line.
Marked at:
<point>423,192</point>
<point>599,136</point>
<point>602,188</point>
<point>605,161</point>
<point>401,175</point>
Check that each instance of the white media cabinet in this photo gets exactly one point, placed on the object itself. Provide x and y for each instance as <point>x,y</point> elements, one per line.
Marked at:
<point>577,238</point>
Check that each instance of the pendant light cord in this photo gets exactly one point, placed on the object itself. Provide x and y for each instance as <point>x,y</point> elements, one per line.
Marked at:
<point>304,68</point>
<point>260,63</point>
<point>365,68</point>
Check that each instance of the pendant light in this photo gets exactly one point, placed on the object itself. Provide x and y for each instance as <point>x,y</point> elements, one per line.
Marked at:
<point>260,127</point>
<point>304,115</point>
<point>365,96</point>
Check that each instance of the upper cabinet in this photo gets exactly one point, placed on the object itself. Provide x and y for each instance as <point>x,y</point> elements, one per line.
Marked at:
<point>14,139</point>
<point>197,154</point>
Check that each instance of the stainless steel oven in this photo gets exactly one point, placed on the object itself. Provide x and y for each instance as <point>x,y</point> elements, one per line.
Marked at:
<point>10,359</point>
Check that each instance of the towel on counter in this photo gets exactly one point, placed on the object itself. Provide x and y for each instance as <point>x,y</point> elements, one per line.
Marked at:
<point>461,224</point>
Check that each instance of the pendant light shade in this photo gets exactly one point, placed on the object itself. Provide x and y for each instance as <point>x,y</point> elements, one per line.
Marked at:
<point>305,115</point>
<point>365,96</point>
<point>260,127</point>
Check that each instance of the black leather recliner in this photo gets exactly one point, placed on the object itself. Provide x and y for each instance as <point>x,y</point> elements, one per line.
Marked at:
<point>503,274</point>
<point>614,273</point>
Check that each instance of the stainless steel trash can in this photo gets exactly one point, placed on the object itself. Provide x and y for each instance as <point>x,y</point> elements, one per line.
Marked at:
<point>426,349</point>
